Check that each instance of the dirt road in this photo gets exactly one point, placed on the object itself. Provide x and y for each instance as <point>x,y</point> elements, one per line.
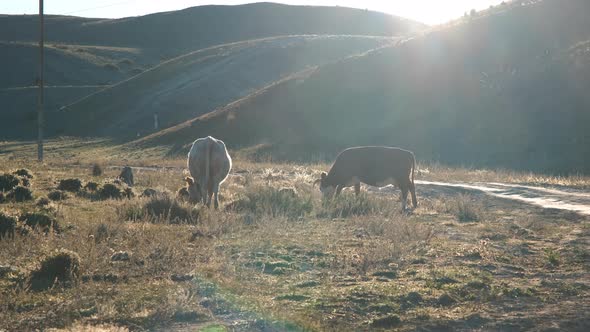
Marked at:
<point>548,198</point>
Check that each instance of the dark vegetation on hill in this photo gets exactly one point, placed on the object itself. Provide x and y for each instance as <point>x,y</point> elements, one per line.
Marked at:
<point>504,89</point>
<point>101,52</point>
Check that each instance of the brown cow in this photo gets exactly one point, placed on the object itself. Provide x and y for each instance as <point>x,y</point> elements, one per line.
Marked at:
<point>373,165</point>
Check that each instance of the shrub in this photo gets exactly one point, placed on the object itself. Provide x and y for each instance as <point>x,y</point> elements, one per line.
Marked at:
<point>8,181</point>
<point>25,181</point>
<point>61,267</point>
<point>128,193</point>
<point>92,186</point>
<point>42,201</point>
<point>97,170</point>
<point>20,194</point>
<point>41,220</point>
<point>273,202</point>
<point>71,185</point>
<point>7,225</point>
<point>182,194</point>
<point>149,192</point>
<point>23,172</point>
<point>102,233</point>
<point>57,195</point>
<point>465,209</point>
<point>110,191</point>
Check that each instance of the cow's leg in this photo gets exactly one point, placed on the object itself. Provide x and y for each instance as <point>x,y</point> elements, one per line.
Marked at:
<point>404,196</point>
<point>215,192</point>
<point>357,188</point>
<point>204,190</point>
<point>413,192</point>
<point>209,192</point>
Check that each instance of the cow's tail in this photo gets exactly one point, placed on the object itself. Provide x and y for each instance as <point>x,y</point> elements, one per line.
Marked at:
<point>413,166</point>
<point>207,166</point>
<point>413,185</point>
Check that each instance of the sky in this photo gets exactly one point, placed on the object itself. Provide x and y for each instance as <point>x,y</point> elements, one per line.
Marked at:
<point>426,11</point>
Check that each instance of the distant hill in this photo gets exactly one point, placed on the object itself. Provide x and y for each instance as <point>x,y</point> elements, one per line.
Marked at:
<point>504,88</point>
<point>84,55</point>
<point>176,32</point>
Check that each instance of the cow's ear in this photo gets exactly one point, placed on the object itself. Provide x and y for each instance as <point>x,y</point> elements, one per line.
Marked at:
<point>190,181</point>
<point>323,176</point>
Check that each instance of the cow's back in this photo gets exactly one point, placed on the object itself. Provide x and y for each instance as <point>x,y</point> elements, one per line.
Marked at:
<point>374,164</point>
<point>219,159</point>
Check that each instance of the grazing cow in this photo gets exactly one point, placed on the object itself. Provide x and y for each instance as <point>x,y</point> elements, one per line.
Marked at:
<point>209,164</point>
<point>373,165</point>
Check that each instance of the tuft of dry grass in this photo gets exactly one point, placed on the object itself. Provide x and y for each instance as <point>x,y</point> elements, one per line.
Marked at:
<point>71,185</point>
<point>273,202</point>
<point>97,169</point>
<point>466,208</point>
<point>20,194</point>
<point>61,267</point>
<point>8,182</point>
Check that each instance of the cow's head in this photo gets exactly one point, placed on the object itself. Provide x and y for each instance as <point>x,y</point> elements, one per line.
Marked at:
<point>326,188</point>
<point>194,190</point>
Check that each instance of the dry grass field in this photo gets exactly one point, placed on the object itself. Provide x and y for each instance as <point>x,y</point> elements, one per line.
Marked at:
<point>272,261</point>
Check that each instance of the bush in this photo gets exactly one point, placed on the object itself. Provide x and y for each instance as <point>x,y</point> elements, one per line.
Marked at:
<point>97,170</point>
<point>61,267</point>
<point>71,185</point>
<point>8,182</point>
<point>7,225</point>
<point>40,219</point>
<point>102,233</point>
<point>42,202</point>
<point>182,194</point>
<point>110,191</point>
<point>465,209</point>
<point>57,195</point>
<point>23,172</point>
<point>92,186</point>
<point>20,194</point>
<point>273,202</point>
<point>128,193</point>
<point>25,181</point>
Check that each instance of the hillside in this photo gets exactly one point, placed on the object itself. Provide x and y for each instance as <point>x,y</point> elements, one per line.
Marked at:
<point>84,55</point>
<point>201,81</point>
<point>177,32</point>
<point>507,88</point>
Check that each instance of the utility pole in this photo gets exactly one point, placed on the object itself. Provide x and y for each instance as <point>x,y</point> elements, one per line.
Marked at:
<point>40,120</point>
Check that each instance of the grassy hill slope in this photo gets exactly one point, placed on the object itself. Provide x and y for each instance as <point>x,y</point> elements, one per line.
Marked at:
<point>85,51</point>
<point>504,89</point>
<point>201,81</point>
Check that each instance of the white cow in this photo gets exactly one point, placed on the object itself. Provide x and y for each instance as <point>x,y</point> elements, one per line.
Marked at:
<point>209,164</point>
